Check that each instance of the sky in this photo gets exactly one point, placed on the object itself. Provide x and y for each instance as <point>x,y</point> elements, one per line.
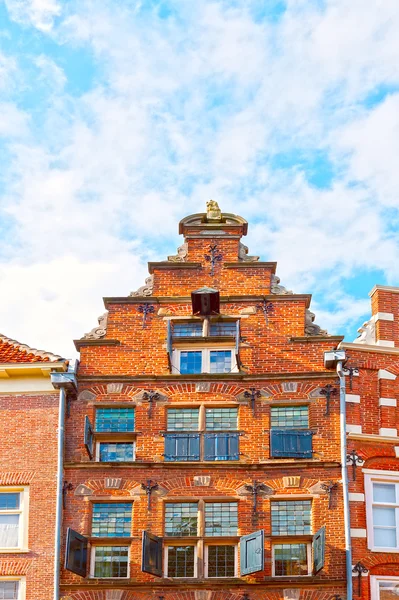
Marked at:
<point>120,117</point>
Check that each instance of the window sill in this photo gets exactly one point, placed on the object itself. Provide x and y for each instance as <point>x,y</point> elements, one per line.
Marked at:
<point>14,550</point>
<point>112,541</point>
<point>385,550</point>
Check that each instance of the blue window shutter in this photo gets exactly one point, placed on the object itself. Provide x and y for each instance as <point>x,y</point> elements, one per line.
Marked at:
<point>88,437</point>
<point>182,446</point>
<point>221,446</point>
<point>151,560</point>
<point>295,443</point>
<point>319,545</point>
<point>252,553</point>
<point>76,553</point>
<point>238,336</point>
<point>169,345</point>
<point>233,446</point>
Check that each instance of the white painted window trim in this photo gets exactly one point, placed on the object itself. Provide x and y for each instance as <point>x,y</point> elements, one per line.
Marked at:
<point>21,587</point>
<point>97,453</point>
<point>172,544</point>
<point>308,552</point>
<point>23,512</point>
<point>206,562</point>
<point>93,560</point>
<point>370,477</point>
<point>205,366</point>
<point>374,579</point>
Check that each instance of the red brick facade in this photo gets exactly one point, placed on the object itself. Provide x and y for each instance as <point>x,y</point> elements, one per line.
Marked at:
<point>279,356</point>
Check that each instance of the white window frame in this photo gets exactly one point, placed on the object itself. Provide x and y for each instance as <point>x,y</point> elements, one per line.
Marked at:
<point>173,543</point>
<point>23,512</point>
<point>93,560</point>
<point>21,587</point>
<point>206,363</point>
<point>376,476</point>
<point>206,560</point>
<point>97,454</point>
<point>292,542</point>
<point>374,579</point>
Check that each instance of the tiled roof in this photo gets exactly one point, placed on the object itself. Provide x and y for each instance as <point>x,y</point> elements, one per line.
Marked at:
<point>12,351</point>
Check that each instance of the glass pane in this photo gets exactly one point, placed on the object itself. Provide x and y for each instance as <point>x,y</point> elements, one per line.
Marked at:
<point>183,419</point>
<point>112,520</point>
<point>187,329</point>
<point>227,328</point>
<point>221,518</point>
<point>181,561</point>
<point>389,590</point>
<point>384,492</point>
<point>384,516</point>
<point>384,538</point>
<point>9,501</point>
<point>220,361</point>
<point>116,452</point>
<point>115,419</point>
<point>221,561</point>
<point>190,362</point>
<point>181,519</point>
<point>295,417</point>
<point>290,559</point>
<point>291,518</point>
<point>9,526</point>
<point>219,419</point>
<point>9,590</point>
<point>111,561</point>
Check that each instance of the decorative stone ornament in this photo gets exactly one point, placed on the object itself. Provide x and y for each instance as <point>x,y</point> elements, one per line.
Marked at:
<point>289,386</point>
<point>87,395</point>
<point>83,490</point>
<point>114,388</point>
<point>181,255</point>
<point>310,327</point>
<point>276,288</point>
<point>112,483</point>
<point>202,480</point>
<point>98,332</point>
<point>243,254</point>
<point>203,386</point>
<point>292,481</point>
<point>213,212</point>
<point>146,289</point>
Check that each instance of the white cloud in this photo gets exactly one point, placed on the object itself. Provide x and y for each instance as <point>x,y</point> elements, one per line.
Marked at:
<point>39,13</point>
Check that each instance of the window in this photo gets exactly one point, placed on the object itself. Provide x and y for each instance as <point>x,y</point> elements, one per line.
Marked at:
<point>382,506</point>
<point>115,419</point>
<point>290,560</point>
<point>188,329</point>
<point>216,440</point>
<point>13,518</point>
<point>188,519</point>
<point>384,588</point>
<point>204,328</point>
<point>223,328</point>
<point>290,436</point>
<point>12,589</point>
<point>116,451</point>
<point>112,437</point>
<point>291,517</point>
<point>206,360</point>
<point>112,519</point>
<point>110,561</point>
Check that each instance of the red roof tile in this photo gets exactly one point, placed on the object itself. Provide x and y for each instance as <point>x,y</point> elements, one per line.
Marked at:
<point>12,351</point>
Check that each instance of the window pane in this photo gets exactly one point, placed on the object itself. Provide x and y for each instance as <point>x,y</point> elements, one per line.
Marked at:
<point>181,561</point>
<point>190,362</point>
<point>384,492</point>
<point>9,526</point>
<point>221,518</point>
<point>9,590</point>
<point>183,419</point>
<point>384,516</point>
<point>111,561</point>
<point>187,329</point>
<point>295,417</point>
<point>220,361</point>
<point>291,518</point>
<point>115,419</point>
<point>227,328</point>
<point>116,452</point>
<point>112,520</point>
<point>219,419</point>
<point>384,538</point>
<point>181,519</point>
<point>9,501</point>
<point>388,590</point>
<point>221,561</point>
<point>290,559</point>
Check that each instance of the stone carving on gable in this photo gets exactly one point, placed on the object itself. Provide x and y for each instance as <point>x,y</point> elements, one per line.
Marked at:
<point>366,333</point>
<point>276,288</point>
<point>213,212</point>
<point>181,254</point>
<point>98,332</point>
<point>310,327</point>
<point>146,289</point>
<point>243,254</point>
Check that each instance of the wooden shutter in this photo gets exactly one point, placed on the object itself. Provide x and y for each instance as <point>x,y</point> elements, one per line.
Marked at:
<point>221,446</point>
<point>252,553</point>
<point>76,553</point>
<point>89,437</point>
<point>296,443</point>
<point>151,561</point>
<point>238,337</point>
<point>169,344</point>
<point>182,446</point>
<point>319,545</point>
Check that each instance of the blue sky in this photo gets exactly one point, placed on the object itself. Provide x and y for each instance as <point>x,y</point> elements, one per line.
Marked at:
<point>118,118</point>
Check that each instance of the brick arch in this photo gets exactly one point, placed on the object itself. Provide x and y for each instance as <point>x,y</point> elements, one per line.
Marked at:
<point>15,567</point>
<point>226,484</point>
<point>381,462</point>
<point>97,485</point>
<point>374,561</point>
<point>278,483</point>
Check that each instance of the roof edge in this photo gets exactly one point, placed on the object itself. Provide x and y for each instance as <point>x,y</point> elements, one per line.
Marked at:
<point>29,350</point>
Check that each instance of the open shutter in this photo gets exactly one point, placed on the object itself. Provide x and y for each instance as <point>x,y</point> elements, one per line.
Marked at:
<point>76,553</point>
<point>151,561</point>
<point>238,337</point>
<point>89,437</point>
<point>169,345</point>
<point>252,553</point>
<point>319,545</point>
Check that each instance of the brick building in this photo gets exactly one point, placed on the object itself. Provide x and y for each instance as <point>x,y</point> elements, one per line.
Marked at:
<point>28,470</point>
<point>372,390</point>
<point>203,447</point>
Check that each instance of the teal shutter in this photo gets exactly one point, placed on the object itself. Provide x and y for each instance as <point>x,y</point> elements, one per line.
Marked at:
<point>151,561</point>
<point>238,337</point>
<point>252,554</point>
<point>319,545</point>
<point>182,446</point>
<point>89,437</point>
<point>221,446</point>
<point>295,443</point>
<point>169,344</point>
<point>76,553</point>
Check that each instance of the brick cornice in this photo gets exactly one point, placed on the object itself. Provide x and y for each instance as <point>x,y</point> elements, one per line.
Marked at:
<point>369,348</point>
<point>209,377</point>
<point>297,463</point>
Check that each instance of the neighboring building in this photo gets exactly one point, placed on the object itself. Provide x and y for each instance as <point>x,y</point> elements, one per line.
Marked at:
<point>203,448</point>
<point>373,445</point>
<point>28,470</point>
